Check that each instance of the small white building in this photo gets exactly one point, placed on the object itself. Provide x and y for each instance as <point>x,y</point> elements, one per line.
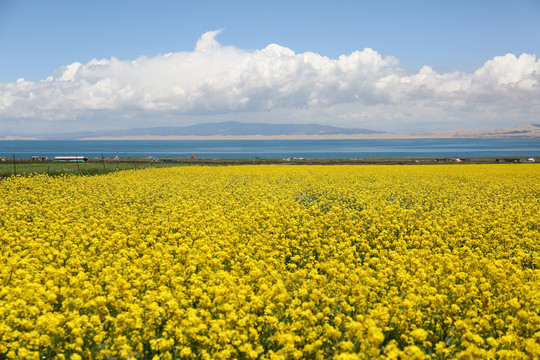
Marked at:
<point>71,158</point>
<point>39,158</point>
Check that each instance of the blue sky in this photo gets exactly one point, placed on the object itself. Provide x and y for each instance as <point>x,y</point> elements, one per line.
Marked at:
<point>40,39</point>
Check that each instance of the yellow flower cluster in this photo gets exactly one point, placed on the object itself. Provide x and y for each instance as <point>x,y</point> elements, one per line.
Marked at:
<point>272,262</point>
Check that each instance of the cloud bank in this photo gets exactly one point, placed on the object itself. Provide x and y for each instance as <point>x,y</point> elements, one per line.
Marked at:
<point>362,89</point>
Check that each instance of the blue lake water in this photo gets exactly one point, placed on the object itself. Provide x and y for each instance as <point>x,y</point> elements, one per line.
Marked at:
<point>275,149</point>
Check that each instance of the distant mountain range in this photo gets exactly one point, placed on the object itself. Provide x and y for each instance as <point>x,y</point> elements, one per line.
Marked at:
<point>238,130</point>
<point>524,131</point>
<point>229,128</point>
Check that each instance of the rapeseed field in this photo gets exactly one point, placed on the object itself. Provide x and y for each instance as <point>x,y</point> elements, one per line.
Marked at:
<point>272,262</point>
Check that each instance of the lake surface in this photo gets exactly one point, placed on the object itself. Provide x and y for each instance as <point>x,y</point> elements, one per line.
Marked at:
<point>275,149</point>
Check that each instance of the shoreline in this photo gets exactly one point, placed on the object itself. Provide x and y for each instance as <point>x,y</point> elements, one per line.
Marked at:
<point>107,165</point>
<point>302,137</point>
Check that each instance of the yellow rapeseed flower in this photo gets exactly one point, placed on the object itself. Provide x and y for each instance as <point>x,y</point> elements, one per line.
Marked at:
<point>272,262</point>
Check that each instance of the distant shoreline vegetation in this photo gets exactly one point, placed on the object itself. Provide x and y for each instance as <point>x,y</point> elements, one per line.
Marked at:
<point>26,167</point>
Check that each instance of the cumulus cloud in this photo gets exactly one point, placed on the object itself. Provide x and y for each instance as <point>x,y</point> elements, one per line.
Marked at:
<point>216,79</point>
<point>208,41</point>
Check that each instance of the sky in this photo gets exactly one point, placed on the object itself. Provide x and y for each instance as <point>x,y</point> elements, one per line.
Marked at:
<point>388,65</point>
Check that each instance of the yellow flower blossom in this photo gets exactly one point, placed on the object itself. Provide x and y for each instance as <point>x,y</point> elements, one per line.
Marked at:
<point>272,262</point>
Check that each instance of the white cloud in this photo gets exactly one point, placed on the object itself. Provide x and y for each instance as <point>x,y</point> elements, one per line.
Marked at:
<point>507,71</point>
<point>359,89</point>
<point>208,41</point>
